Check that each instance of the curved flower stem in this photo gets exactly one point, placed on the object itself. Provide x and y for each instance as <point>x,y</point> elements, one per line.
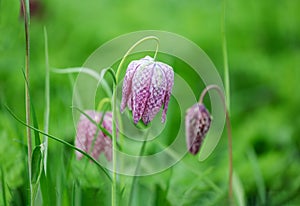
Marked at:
<point>114,110</point>
<point>132,47</point>
<point>228,125</point>
<point>102,103</point>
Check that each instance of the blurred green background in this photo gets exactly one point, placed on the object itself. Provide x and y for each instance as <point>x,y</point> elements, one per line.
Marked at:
<point>263,39</point>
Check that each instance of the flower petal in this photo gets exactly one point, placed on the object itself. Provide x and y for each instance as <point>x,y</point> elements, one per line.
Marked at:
<point>127,84</point>
<point>126,89</point>
<point>169,75</point>
<point>157,93</point>
<point>140,88</point>
<point>86,138</point>
<point>85,132</point>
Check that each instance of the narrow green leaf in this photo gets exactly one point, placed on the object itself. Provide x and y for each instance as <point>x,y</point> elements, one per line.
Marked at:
<point>36,170</point>
<point>34,119</point>
<point>35,124</point>
<point>36,164</point>
<point>73,193</point>
<point>76,193</point>
<point>257,175</point>
<point>47,99</point>
<point>238,190</point>
<point>88,71</point>
<point>3,187</point>
<point>225,57</point>
<point>168,183</point>
<point>44,189</point>
<point>160,196</point>
<point>135,177</point>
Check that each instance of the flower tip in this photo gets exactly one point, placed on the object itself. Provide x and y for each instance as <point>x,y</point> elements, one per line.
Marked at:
<point>163,120</point>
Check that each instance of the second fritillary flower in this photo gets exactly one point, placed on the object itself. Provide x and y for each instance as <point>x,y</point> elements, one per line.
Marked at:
<point>147,87</point>
<point>197,123</point>
<point>90,139</point>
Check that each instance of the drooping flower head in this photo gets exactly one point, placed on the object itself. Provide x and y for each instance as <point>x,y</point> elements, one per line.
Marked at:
<point>90,138</point>
<point>147,87</point>
<point>197,123</point>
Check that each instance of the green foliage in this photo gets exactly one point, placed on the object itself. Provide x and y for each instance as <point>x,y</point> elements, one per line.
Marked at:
<point>37,164</point>
<point>263,50</point>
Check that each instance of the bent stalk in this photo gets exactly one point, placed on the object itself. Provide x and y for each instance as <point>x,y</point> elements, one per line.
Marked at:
<point>229,135</point>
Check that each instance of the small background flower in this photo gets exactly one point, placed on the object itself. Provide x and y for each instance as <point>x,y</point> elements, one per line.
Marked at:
<point>91,139</point>
<point>197,124</point>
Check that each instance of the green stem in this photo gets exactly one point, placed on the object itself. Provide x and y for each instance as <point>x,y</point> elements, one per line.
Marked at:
<point>132,47</point>
<point>114,141</point>
<point>229,135</point>
<point>26,12</point>
<point>102,103</point>
<point>114,111</point>
<point>3,187</point>
<point>47,100</point>
<point>134,180</point>
<point>225,58</point>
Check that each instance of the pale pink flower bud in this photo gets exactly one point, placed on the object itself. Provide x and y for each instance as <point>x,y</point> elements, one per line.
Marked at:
<point>90,138</point>
<point>197,123</point>
<point>147,87</point>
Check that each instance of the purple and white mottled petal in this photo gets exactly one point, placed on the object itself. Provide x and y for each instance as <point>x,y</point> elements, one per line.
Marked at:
<point>169,75</point>
<point>129,102</point>
<point>157,92</point>
<point>80,140</point>
<point>88,131</point>
<point>126,89</point>
<point>140,88</point>
<point>85,132</point>
<point>127,83</point>
<point>197,123</point>
<point>147,87</point>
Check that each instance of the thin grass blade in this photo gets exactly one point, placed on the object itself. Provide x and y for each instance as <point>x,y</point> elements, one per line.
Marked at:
<point>88,71</point>
<point>135,177</point>
<point>258,176</point>
<point>3,187</point>
<point>37,164</point>
<point>47,99</point>
<point>239,191</point>
<point>33,114</point>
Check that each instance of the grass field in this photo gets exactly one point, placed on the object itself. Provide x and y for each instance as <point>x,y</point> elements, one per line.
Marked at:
<point>263,45</point>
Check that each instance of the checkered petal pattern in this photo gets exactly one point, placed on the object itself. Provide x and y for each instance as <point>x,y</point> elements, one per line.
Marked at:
<point>91,139</point>
<point>197,124</point>
<point>147,87</point>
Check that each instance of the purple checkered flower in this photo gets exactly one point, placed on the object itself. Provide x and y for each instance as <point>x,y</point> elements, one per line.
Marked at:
<point>147,87</point>
<point>197,123</point>
<point>90,138</point>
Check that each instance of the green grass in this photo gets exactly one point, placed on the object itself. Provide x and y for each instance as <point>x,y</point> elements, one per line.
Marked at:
<point>263,53</point>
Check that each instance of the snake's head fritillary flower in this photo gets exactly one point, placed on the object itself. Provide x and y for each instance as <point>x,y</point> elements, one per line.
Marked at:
<point>197,123</point>
<point>90,138</point>
<point>147,87</point>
